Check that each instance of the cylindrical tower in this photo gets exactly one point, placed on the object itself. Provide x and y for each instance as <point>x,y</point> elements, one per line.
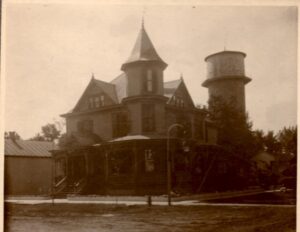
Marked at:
<point>226,77</point>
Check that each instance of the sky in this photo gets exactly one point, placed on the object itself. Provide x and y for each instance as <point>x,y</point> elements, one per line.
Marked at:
<point>51,51</point>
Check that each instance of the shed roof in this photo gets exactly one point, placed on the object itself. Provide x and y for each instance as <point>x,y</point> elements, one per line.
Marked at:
<point>28,148</point>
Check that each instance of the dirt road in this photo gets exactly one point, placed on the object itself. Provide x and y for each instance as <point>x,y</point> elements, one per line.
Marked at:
<point>117,218</point>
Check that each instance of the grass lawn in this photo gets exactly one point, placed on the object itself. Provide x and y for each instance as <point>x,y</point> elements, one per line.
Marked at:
<point>119,218</point>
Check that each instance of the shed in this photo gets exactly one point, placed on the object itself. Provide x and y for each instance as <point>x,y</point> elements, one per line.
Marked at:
<point>28,167</point>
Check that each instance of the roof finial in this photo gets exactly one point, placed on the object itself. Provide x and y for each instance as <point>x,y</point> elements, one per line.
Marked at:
<point>181,76</point>
<point>93,77</point>
<point>143,16</point>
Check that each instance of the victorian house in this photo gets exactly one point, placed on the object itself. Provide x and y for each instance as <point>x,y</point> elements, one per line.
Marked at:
<point>137,102</point>
<point>122,129</point>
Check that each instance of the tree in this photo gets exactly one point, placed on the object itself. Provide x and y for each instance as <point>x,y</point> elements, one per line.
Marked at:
<point>259,138</point>
<point>38,137</point>
<point>12,135</point>
<point>234,129</point>
<point>67,142</point>
<point>288,140</point>
<point>50,132</point>
<point>271,143</point>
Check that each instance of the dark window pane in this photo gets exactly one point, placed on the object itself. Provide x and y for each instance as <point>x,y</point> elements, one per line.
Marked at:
<point>148,118</point>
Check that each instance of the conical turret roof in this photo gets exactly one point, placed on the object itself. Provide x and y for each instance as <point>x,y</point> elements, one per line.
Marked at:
<point>143,50</point>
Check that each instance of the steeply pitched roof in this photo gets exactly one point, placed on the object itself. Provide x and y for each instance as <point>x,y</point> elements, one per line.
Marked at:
<point>28,148</point>
<point>108,88</point>
<point>170,87</point>
<point>143,50</point>
<point>120,83</point>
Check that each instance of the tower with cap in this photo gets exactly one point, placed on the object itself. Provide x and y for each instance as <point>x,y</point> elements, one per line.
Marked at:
<point>144,68</point>
<point>145,86</point>
<point>226,77</point>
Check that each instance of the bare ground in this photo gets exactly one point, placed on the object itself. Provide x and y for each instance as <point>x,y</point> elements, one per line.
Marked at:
<point>117,218</point>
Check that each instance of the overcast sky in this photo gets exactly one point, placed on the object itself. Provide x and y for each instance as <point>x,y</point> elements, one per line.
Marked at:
<point>52,49</point>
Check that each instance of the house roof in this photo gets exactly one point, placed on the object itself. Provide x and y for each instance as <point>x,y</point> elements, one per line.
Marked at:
<point>108,88</point>
<point>143,50</point>
<point>28,148</point>
<point>130,137</point>
<point>120,83</point>
<point>170,87</point>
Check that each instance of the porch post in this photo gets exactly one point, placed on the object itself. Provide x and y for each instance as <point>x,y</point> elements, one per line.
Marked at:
<point>135,166</point>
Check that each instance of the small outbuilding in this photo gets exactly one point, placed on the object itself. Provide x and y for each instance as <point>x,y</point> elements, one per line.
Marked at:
<point>28,167</point>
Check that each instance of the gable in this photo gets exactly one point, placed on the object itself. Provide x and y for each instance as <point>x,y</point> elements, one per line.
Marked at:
<point>97,92</point>
<point>178,94</point>
<point>170,87</point>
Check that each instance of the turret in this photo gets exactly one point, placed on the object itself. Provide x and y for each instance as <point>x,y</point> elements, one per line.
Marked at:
<point>144,68</point>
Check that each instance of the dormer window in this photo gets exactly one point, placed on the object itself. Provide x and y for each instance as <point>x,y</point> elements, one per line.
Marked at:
<point>96,101</point>
<point>177,101</point>
<point>102,100</point>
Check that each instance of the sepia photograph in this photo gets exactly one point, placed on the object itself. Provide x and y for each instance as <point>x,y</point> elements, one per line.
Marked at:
<point>149,116</point>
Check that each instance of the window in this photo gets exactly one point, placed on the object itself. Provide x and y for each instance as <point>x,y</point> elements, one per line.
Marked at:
<point>177,101</point>
<point>102,100</point>
<point>148,118</point>
<point>120,124</point>
<point>96,101</point>
<point>149,161</point>
<point>85,126</point>
<point>149,81</point>
<point>91,103</point>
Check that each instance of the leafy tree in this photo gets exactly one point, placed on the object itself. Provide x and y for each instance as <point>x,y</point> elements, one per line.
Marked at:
<point>258,137</point>
<point>288,140</point>
<point>67,142</point>
<point>271,143</point>
<point>50,132</point>
<point>234,129</point>
<point>38,137</point>
<point>12,135</point>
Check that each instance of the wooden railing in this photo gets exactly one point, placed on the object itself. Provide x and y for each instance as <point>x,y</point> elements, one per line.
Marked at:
<point>60,186</point>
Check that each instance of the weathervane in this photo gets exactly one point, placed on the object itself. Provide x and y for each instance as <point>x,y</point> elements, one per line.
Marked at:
<point>144,11</point>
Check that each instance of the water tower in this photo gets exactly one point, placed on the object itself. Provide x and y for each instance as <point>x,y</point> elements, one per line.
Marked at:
<point>226,77</point>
